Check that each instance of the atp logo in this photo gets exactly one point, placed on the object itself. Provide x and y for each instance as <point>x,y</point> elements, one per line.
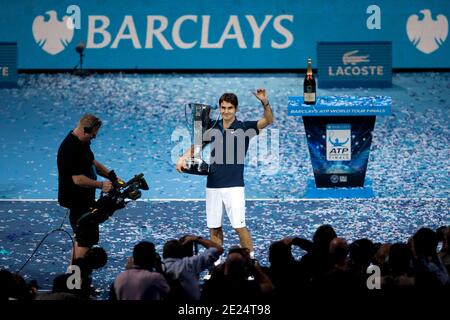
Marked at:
<point>351,58</point>
<point>52,35</point>
<point>338,142</point>
<point>427,35</point>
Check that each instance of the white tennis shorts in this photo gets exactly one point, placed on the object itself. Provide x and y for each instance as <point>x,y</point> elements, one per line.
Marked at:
<point>232,200</point>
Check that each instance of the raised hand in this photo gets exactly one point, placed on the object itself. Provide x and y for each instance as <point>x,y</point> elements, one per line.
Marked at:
<point>260,94</point>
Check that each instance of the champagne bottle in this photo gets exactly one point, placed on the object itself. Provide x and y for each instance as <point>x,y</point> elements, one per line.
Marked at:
<point>309,85</point>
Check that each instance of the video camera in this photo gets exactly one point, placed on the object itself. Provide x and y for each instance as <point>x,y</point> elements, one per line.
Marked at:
<point>113,200</point>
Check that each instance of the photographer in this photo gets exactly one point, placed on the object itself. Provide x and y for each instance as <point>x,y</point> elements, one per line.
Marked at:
<point>284,270</point>
<point>95,258</point>
<point>183,267</point>
<point>239,279</point>
<point>144,280</point>
<point>77,180</point>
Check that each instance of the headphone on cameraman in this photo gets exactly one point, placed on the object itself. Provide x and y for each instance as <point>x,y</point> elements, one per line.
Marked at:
<point>96,123</point>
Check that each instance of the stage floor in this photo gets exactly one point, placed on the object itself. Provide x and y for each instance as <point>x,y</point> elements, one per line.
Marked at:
<point>25,223</point>
<point>144,129</point>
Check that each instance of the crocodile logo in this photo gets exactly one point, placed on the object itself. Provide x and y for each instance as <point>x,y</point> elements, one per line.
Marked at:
<point>351,58</point>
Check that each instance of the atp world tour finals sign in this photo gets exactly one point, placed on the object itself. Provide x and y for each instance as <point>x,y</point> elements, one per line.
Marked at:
<point>200,34</point>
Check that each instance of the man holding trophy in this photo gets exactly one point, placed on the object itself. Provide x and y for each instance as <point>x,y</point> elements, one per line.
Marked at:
<point>225,174</point>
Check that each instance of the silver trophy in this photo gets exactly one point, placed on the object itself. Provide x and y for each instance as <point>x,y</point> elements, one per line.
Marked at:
<point>197,118</point>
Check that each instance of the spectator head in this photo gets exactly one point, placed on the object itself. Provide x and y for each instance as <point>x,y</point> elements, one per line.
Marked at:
<point>323,236</point>
<point>280,254</point>
<point>96,257</point>
<point>189,247</point>
<point>173,249</point>
<point>399,258</point>
<point>382,254</point>
<point>7,285</point>
<point>339,251</point>
<point>362,252</point>
<point>13,286</point>
<point>144,255</point>
<point>236,265</point>
<point>242,251</point>
<point>425,242</point>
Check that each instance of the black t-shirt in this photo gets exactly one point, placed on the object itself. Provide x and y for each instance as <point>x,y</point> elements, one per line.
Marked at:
<point>75,158</point>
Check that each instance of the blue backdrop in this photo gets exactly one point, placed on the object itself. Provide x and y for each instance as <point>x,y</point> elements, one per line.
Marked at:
<point>201,34</point>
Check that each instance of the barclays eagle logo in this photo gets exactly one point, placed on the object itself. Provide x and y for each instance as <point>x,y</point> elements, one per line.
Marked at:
<point>52,35</point>
<point>427,34</point>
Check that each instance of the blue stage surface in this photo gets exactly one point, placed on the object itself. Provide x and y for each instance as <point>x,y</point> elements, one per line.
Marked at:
<point>143,131</point>
<point>25,223</point>
<point>144,120</point>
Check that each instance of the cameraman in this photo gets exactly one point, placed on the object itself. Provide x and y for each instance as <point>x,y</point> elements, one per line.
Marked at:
<point>77,180</point>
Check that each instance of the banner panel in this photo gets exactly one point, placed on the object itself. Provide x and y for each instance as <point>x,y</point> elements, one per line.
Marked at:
<point>226,34</point>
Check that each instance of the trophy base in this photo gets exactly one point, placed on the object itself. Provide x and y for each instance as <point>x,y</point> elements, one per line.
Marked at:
<point>196,166</point>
